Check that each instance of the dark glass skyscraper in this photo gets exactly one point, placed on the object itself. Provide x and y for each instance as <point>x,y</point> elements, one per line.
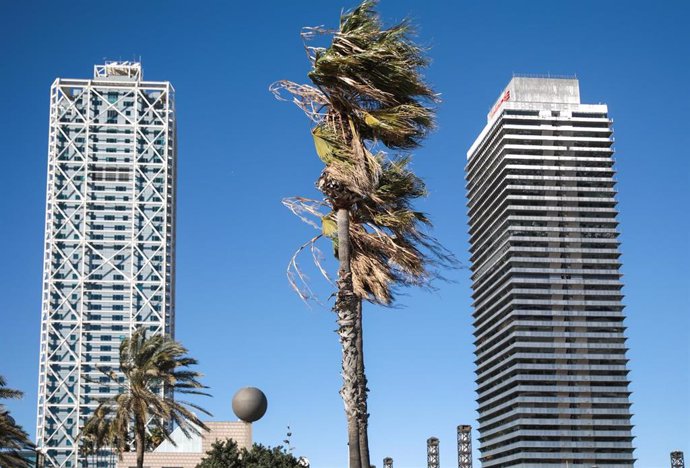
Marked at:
<point>552,378</point>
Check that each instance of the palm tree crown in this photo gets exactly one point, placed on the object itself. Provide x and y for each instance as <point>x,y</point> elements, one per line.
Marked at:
<point>369,92</point>
<point>13,439</point>
<point>153,368</point>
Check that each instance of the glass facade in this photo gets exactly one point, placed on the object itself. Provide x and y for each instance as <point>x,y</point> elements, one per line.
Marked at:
<point>109,242</point>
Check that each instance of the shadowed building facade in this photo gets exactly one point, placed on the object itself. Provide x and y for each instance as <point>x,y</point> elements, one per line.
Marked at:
<point>109,242</point>
<point>552,377</point>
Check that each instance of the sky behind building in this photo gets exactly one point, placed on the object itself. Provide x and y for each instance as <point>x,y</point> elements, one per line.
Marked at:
<point>240,152</point>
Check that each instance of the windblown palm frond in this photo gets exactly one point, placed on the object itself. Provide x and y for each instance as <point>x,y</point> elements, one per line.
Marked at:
<point>394,247</point>
<point>153,368</point>
<point>369,92</point>
<point>372,74</point>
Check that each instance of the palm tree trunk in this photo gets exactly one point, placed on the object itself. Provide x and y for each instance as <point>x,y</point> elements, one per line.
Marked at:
<point>140,441</point>
<point>362,410</point>
<point>346,309</point>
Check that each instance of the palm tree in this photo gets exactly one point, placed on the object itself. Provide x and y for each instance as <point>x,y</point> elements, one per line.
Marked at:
<point>13,439</point>
<point>367,93</point>
<point>153,367</point>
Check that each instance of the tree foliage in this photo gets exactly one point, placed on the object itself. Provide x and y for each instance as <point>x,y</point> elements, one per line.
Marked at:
<point>13,438</point>
<point>368,93</point>
<point>226,454</point>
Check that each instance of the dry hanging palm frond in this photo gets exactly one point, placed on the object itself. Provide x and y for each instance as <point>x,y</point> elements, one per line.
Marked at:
<point>405,254</point>
<point>310,211</point>
<point>307,98</point>
<point>351,171</point>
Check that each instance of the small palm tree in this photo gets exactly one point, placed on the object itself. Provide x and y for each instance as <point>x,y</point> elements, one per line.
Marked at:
<point>153,367</point>
<point>13,439</point>
<point>367,93</point>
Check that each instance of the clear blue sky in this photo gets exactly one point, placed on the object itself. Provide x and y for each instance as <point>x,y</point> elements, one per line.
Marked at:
<point>240,152</point>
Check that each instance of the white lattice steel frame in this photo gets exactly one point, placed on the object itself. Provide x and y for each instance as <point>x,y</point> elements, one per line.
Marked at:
<point>109,241</point>
<point>432,453</point>
<point>464,446</point>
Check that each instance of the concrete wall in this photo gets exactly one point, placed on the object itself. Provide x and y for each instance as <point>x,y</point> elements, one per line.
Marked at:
<point>561,90</point>
<point>537,90</point>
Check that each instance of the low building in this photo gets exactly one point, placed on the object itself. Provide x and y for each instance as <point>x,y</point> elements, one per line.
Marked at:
<point>187,452</point>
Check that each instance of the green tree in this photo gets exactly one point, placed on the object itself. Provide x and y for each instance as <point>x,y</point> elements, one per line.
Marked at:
<point>223,454</point>
<point>267,457</point>
<point>226,454</point>
<point>154,438</point>
<point>367,94</point>
<point>13,438</point>
<point>153,368</point>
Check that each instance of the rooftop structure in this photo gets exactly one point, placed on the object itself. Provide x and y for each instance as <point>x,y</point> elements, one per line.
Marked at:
<point>118,71</point>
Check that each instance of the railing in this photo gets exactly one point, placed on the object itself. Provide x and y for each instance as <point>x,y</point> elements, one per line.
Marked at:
<point>542,75</point>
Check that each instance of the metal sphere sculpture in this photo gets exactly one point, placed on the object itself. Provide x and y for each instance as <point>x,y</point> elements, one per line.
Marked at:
<point>249,404</point>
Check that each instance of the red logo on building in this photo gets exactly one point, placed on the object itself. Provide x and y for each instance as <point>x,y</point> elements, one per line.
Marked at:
<point>506,97</point>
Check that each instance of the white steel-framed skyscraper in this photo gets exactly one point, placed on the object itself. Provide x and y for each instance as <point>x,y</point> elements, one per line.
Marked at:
<point>109,241</point>
<point>552,377</point>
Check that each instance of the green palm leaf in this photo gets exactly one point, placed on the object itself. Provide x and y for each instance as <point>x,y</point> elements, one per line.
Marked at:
<point>13,439</point>
<point>154,367</point>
